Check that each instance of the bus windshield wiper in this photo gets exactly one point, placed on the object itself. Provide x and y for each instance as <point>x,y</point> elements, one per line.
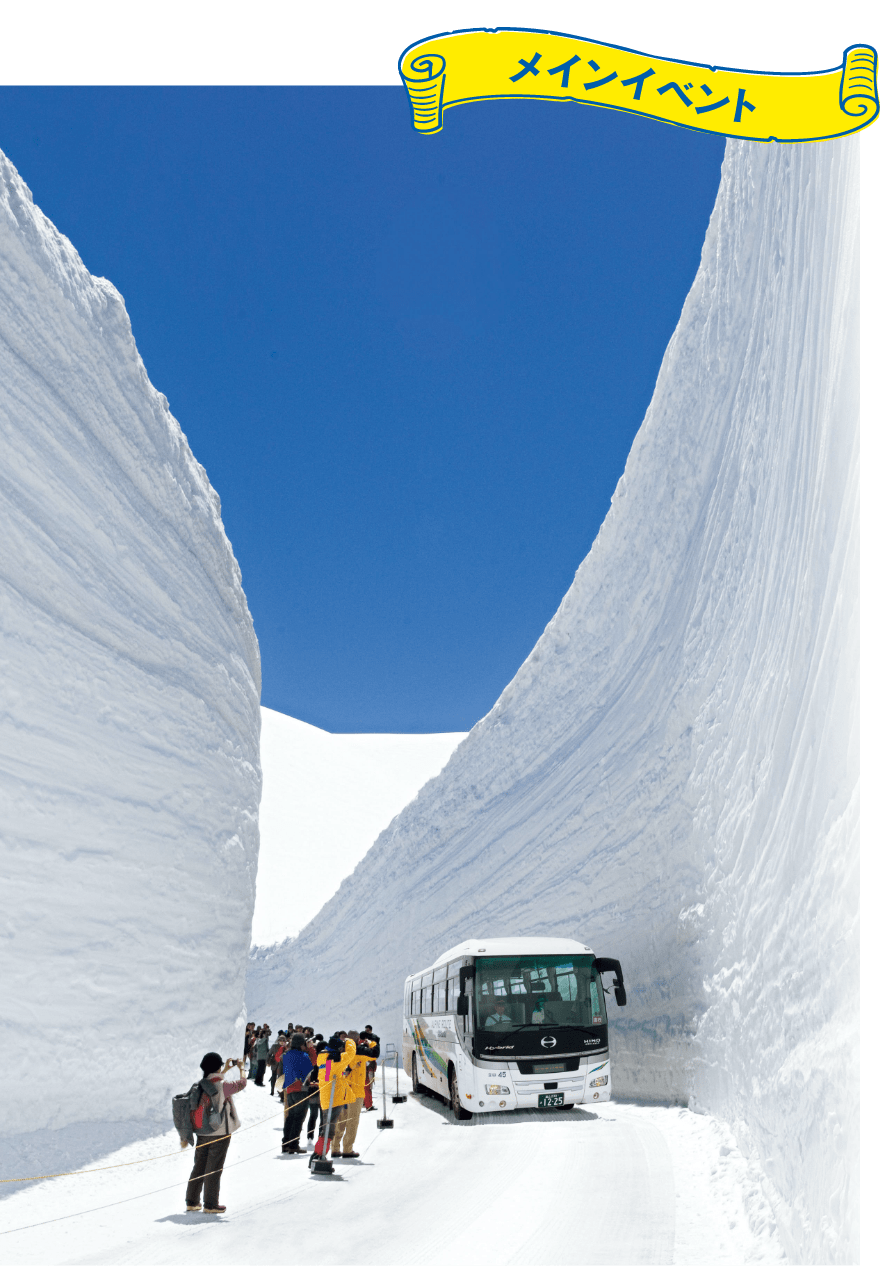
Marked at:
<point>514,1028</point>
<point>547,1024</point>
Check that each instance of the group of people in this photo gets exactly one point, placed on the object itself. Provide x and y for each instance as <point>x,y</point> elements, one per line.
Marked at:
<point>324,1080</point>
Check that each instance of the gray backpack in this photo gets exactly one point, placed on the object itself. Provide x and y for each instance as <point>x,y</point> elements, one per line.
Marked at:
<point>194,1110</point>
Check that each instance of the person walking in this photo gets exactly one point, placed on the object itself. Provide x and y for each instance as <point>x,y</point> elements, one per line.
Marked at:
<point>214,1122</point>
<point>277,1050</point>
<point>251,1041</point>
<point>262,1053</point>
<point>331,1068</point>
<point>297,1067</point>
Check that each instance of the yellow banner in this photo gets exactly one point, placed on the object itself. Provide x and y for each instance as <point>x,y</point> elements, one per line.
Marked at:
<point>462,66</point>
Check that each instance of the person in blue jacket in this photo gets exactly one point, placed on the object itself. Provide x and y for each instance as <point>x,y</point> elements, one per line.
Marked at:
<point>296,1068</point>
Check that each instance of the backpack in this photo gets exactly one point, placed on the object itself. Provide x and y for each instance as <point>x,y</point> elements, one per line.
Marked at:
<point>194,1111</point>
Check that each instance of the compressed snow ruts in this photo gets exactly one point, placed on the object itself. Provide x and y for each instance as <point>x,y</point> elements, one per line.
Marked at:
<point>671,775</point>
<point>129,672</point>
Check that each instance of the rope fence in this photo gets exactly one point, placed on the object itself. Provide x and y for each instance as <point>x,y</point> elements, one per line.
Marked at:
<point>98,1169</point>
<point>146,1160</point>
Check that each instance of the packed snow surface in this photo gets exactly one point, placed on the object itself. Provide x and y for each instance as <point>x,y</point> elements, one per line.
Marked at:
<point>671,776</point>
<point>130,775</point>
<point>621,1183</point>
<point>326,798</point>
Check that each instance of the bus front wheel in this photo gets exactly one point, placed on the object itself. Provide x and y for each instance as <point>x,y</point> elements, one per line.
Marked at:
<point>415,1081</point>
<point>460,1114</point>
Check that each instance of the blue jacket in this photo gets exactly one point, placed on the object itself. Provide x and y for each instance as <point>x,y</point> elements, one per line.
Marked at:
<point>296,1066</point>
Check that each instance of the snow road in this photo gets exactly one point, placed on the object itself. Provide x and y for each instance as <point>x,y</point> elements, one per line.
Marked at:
<point>618,1183</point>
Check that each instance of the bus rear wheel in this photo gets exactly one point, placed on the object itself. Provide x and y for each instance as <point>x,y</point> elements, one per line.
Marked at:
<point>415,1081</point>
<point>460,1114</point>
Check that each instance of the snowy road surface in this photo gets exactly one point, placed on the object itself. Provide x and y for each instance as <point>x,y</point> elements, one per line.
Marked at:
<point>620,1183</point>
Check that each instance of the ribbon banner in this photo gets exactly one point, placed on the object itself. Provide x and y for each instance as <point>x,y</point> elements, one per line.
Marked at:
<point>462,66</point>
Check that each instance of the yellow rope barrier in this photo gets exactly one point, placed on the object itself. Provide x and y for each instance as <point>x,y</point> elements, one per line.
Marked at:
<point>98,1169</point>
<point>79,1213</point>
<point>72,1173</point>
<point>128,1199</point>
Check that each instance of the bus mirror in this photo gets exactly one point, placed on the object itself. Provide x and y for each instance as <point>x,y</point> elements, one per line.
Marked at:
<point>613,964</point>
<point>463,1005</point>
<point>468,972</point>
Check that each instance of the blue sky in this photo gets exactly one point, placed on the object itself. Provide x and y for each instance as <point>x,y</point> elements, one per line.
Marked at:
<point>412,366</point>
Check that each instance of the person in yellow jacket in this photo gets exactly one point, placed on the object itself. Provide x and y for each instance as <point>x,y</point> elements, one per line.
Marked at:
<point>332,1065</point>
<point>348,1122</point>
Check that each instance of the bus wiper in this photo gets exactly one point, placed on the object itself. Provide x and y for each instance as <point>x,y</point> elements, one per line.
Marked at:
<point>547,1024</point>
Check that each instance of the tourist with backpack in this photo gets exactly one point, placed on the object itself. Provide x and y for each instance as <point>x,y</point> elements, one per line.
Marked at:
<point>214,1120</point>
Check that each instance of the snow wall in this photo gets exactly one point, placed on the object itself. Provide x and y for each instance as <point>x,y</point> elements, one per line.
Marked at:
<point>336,791</point>
<point>671,777</point>
<point>130,773</point>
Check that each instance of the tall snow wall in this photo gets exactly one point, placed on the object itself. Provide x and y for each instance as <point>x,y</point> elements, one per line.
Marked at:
<point>671,776</point>
<point>129,765</point>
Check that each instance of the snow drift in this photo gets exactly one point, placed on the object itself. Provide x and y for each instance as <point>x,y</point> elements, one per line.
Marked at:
<point>130,775</point>
<point>671,776</point>
<point>325,799</point>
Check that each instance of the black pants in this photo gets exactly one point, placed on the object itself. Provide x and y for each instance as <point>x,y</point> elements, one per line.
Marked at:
<point>274,1073</point>
<point>297,1102</point>
<point>259,1076</point>
<point>205,1177</point>
<point>314,1113</point>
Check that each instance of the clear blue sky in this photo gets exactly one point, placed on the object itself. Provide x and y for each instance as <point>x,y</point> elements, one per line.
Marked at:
<point>412,366</point>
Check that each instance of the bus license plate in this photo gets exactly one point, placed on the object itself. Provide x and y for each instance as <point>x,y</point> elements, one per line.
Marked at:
<point>550,1101</point>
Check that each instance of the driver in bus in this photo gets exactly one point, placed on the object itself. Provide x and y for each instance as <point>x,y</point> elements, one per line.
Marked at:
<point>498,1015</point>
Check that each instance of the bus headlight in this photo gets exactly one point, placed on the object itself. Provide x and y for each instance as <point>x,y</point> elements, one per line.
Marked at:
<point>497,1090</point>
<point>599,1081</point>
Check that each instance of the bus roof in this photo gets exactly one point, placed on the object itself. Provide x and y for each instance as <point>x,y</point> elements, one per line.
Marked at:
<point>498,947</point>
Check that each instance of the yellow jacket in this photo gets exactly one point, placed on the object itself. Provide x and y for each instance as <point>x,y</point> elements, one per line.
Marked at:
<point>356,1076</point>
<point>333,1073</point>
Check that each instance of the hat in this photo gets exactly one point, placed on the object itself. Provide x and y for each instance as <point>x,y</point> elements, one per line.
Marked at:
<point>335,1044</point>
<point>211,1062</point>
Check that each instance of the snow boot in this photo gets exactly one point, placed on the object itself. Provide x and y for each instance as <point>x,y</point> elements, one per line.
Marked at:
<point>220,1208</point>
<point>194,1208</point>
<point>349,1155</point>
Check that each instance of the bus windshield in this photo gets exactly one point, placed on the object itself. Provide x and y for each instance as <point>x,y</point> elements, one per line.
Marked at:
<point>547,989</point>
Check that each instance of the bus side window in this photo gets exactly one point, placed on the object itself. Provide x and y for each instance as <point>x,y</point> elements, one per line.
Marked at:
<point>454,983</point>
<point>439,988</point>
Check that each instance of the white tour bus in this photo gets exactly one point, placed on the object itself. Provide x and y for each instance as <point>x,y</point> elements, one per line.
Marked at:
<point>518,1022</point>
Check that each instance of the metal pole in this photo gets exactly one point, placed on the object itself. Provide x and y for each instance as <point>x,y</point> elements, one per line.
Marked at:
<point>397,1098</point>
<point>324,1165</point>
<point>385,1123</point>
